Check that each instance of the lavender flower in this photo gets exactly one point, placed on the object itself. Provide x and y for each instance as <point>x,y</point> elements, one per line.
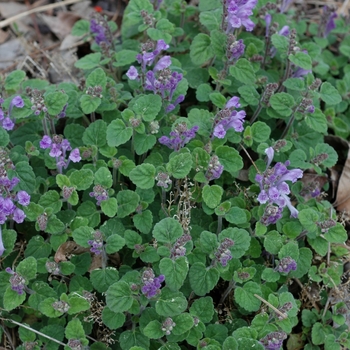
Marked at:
<point>286,265</point>
<point>273,186</point>
<point>168,325</point>
<point>215,168</point>
<point>163,180</point>
<point>235,49</point>
<point>238,12</point>
<point>74,156</point>
<point>151,284</point>
<point>99,27</point>
<point>179,136</point>
<point>5,121</point>
<point>97,243</point>
<point>17,102</point>
<point>273,341</point>
<point>132,73</point>
<point>178,249</point>
<point>148,58</point>
<point>228,118</point>
<point>100,193</point>
<point>23,198</point>
<point>223,253</point>
<point>16,280</point>
<point>327,21</point>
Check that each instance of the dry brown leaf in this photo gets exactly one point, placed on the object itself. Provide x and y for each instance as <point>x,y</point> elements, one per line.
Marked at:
<point>62,24</point>
<point>67,249</point>
<point>9,9</point>
<point>96,262</point>
<point>342,202</point>
<point>3,36</point>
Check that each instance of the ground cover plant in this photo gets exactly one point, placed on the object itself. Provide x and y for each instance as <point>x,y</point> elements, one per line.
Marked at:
<point>178,196</point>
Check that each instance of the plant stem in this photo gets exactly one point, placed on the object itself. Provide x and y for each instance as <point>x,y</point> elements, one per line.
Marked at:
<point>283,315</point>
<point>93,117</point>
<point>52,126</point>
<point>219,224</point>
<point>227,291</point>
<point>256,113</point>
<point>34,331</point>
<point>46,130</point>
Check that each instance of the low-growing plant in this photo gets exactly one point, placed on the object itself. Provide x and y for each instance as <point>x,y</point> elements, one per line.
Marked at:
<point>161,202</point>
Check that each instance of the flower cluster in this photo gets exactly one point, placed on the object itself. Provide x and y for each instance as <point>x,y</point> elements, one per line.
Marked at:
<point>273,186</point>
<point>8,197</point>
<point>284,309</point>
<point>163,180</point>
<point>168,325</point>
<point>96,243</point>
<point>58,148</point>
<point>237,14</point>
<point>286,265</point>
<point>151,284</point>
<point>99,193</point>
<point>235,48</point>
<point>5,120</point>
<point>18,283</point>
<point>215,168</point>
<point>228,118</point>
<point>178,249</point>
<point>37,100</point>
<point>179,136</point>
<point>223,253</point>
<point>61,306</point>
<point>273,341</point>
<point>99,27</point>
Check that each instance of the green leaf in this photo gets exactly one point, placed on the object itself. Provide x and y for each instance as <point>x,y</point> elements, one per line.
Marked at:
<point>170,303</point>
<point>202,92</point>
<point>129,339</point>
<point>273,242</point>
<point>143,221</point>
<point>175,271</point>
<point>336,234</point>
<point>241,240</point>
<point>245,298</point>
<point>62,180</point>
<point>54,225</point>
<point>329,94</point>
<point>81,179</point>
<point>303,263</point>
<point>97,78</point>
<point>301,59</point>
<point>280,42</point>
<point>82,235</point>
<point>9,238</point>
<point>212,195</point>
<point>308,219</point>
<point>289,250</point>
<point>329,151</point>
<point>89,103</point>
<point>167,230</point>
<point>109,207</point>
<point>14,80</point>
<point>103,177</point>
<point>200,50</point>
<point>153,330</point>
<point>118,133</point>
<point>119,297</point>
<point>74,329</point>
<point>143,176</point>
<point>89,61</point>
<point>26,176</point>
<point>51,199</point>
<point>249,94</point>
<point>77,304</point>
<point>125,58</point>
<point>243,71</point>
<point>184,323</point>
<point>55,102</point>
<point>203,308</point>
<point>102,279</point>
<point>81,27</point>
<point>260,132</point>
<point>27,268</point>
<point>147,106</point>
<point>127,202</point>
<point>4,137</point>
<point>270,275</point>
<point>114,243</point>
<point>113,320</point>
<point>12,299</point>
<point>203,279</point>
<point>282,103</point>
<point>180,165</point>
<point>229,158</point>
<point>95,134</point>
<point>218,99</point>
<point>211,19</point>
<point>294,84</point>
<point>208,241</point>
<point>144,143</point>
<point>236,216</point>
<point>37,248</point>
<point>317,121</point>
<point>318,334</point>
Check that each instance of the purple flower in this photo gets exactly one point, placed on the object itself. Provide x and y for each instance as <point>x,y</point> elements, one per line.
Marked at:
<point>178,249</point>
<point>179,137</point>
<point>2,248</point>
<point>97,243</point>
<point>17,102</point>
<point>18,215</point>
<point>238,12</point>
<point>99,193</point>
<point>45,142</point>
<point>223,253</point>
<point>23,198</point>
<point>273,186</point>
<point>74,155</point>
<point>228,118</point>
<point>16,280</point>
<point>163,63</point>
<point>62,114</point>
<point>98,28</point>
<point>286,265</point>
<point>163,180</point>
<point>215,168</point>
<point>132,73</point>
<point>8,124</point>
<point>7,206</point>
<point>235,50</point>
<point>329,17</point>
<point>273,341</point>
<point>55,150</point>
<point>148,58</point>
<point>151,284</point>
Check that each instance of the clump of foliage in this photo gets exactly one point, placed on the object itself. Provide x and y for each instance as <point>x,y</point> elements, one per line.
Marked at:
<point>160,202</point>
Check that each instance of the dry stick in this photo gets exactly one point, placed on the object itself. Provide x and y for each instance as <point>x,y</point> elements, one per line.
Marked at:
<point>34,330</point>
<point>8,21</point>
<point>283,315</point>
